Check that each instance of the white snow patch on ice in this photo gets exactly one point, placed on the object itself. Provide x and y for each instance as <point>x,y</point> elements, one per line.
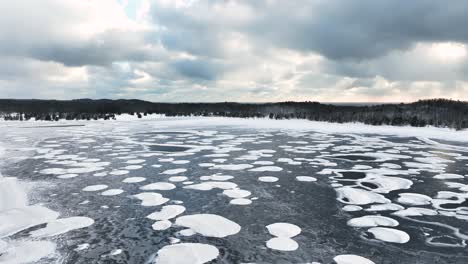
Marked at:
<point>283,230</point>
<point>209,225</point>
<point>161,186</point>
<point>151,199</point>
<point>62,225</point>
<point>389,235</point>
<point>351,259</point>
<point>282,244</point>
<point>194,253</point>
<point>134,179</point>
<point>268,179</point>
<point>94,188</point>
<point>167,212</point>
<point>305,179</point>
<point>372,221</point>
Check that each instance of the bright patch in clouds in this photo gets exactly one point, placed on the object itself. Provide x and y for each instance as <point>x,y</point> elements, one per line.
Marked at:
<point>202,50</point>
<point>449,51</point>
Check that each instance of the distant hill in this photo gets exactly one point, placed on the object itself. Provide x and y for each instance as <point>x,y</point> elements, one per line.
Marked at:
<point>435,112</point>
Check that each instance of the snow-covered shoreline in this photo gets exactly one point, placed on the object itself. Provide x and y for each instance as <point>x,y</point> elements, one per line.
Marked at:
<point>266,123</point>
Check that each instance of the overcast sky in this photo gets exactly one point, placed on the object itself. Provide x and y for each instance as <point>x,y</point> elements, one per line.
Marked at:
<point>243,50</point>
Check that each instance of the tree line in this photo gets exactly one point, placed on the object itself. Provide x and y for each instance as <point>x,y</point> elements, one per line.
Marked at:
<point>434,112</point>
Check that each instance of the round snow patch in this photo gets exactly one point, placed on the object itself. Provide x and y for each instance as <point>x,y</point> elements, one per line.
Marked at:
<point>209,225</point>
<point>282,243</point>
<point>194,253</point>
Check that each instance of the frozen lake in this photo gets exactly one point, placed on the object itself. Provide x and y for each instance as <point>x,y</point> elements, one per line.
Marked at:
<point>196,190</point>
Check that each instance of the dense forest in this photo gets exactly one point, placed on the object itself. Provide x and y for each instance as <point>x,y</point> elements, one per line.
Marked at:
<point>434,112</point>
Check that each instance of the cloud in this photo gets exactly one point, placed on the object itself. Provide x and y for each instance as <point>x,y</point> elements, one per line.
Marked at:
<point>238,50</point>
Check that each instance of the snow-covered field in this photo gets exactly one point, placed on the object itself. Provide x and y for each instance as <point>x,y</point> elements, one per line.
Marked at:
<point>227,190</point>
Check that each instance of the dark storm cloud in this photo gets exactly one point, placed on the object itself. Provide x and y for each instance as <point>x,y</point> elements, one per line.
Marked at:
<point>336,29</point>
<point>361,29</point>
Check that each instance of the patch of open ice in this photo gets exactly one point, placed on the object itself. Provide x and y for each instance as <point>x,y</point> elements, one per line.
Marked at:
<point>151,199</point>
<point>94,188</point>
<point>167,212</point>
<point>389,235</point>
<point>161,186</point>
<point>305,179</point>
<point>62,225</point>
<point>372,221</point>
<point>194,253</point>
<point>351,259</point>
<point>209,225</point>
